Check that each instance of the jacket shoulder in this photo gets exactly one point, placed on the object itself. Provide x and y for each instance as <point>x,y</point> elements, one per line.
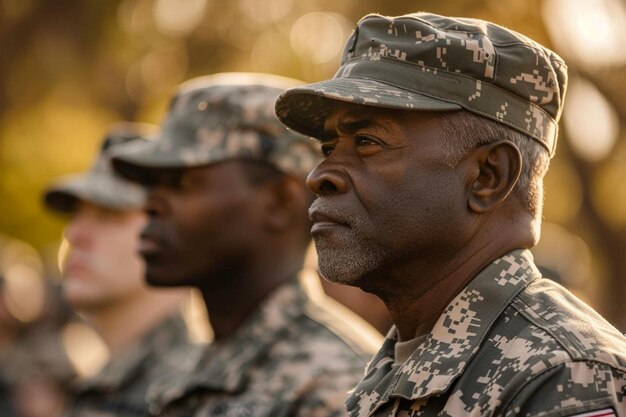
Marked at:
<point>573,325</point>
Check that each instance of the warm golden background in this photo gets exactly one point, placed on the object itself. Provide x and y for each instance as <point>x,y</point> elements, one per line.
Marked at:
<point>70,68</point>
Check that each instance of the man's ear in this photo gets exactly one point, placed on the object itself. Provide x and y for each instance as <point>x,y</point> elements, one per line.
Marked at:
<point>495,170</point>
<point>288,203</point>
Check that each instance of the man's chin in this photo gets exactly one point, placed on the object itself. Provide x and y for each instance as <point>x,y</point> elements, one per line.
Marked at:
<point>347,263</point>
<point>157,277</point>
<point>335,269</point>
<point>155,280</point>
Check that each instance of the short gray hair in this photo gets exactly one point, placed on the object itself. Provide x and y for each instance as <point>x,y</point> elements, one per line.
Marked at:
<point>464,131</point>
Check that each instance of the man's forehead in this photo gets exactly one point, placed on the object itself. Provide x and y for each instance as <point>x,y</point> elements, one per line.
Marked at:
<point>83,206</point>
<point>348,117</point>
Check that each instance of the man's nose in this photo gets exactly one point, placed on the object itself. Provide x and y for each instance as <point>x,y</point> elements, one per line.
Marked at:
<point>327,179</point>
<point>77,231</point>
<point>156,203</point>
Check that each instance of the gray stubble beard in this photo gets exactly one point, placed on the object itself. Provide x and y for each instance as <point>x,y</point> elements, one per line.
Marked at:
<point>346,258</point>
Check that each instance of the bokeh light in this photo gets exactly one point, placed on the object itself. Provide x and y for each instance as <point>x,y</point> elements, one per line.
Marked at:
<point>592,32</point>
<point>135,16</point>
<point>566,257</point>
<point>178,17</point>
<point>15,9</point>
<point>158,72</point>
<point>84,348</point>
<point>265,12</point>
<point>196,318</point>
<point>270,53</point>
<point>609,193</point>
<point>24,292</point>
<point>64,249</point>
<point>319,37</point>
<point>163,68</point>
<point>591,122</point>
<point>563,193</point>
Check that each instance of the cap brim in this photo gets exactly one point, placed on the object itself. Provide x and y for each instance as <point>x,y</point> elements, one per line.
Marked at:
<point>64,195</point>
<point>305,109</point>
<point>142,163</point>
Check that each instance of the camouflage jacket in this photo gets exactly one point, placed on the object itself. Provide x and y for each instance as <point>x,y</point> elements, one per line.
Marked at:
<point>119,389</point>
<point>292,357</point>
<point>510,344</point>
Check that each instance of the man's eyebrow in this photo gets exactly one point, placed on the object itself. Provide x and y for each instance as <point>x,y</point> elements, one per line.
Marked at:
<point>353,126</point>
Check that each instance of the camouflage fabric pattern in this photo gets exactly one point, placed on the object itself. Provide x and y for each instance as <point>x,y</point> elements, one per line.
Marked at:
<point>101,185</point>
<point>119,389</point>
<point>221,117</point>
<point>283,361</point>
<point>424,61</point>
<point>510,344</point>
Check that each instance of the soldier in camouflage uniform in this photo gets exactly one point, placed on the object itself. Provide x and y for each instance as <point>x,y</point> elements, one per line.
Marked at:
<point>103,280</point>
<point>437,133</point>
<point>227,206</point>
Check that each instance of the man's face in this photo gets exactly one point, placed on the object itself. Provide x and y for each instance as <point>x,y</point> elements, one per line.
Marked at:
<point>102,267</point>
<point>203,223</point>
<point>386,196</point>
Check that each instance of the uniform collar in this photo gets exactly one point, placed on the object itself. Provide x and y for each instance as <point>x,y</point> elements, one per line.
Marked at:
<point>225,364</point>
<point>454,340</point>
<point>125,365</point>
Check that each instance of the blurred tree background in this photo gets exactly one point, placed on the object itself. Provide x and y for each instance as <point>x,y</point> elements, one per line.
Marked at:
<point>70,68</point>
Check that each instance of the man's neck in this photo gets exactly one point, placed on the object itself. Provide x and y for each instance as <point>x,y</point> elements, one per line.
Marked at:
<point>417,313</point>
<point>240,294</point>
<point>126,322</point>
<point>419,293</point>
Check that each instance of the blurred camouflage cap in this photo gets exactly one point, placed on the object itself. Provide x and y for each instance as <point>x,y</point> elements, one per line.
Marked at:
<point>428,62</point>
<point>101,185</point>
<point>221,117</point>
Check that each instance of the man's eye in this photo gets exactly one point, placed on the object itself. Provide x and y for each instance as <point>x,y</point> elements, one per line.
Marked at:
<point>361,140</point>
<point>169,178</point>
<point>327,149</point>
<point>367,145</point>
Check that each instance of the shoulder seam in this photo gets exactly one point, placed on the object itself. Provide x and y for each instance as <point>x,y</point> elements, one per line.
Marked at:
<point>542,326</point>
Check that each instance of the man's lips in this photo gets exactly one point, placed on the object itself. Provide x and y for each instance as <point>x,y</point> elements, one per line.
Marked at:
<point>325,218</point>
<point>149,244</point>
<point>75,267</point>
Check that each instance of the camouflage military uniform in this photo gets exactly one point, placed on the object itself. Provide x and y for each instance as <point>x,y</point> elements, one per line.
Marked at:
<point>510,344</point>
<point>119,389</point>
<point>291,357</point>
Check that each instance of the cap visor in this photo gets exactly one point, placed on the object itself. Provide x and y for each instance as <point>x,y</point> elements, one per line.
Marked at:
<point>305,109</point>
<point>140,164</point>
<point>106,192</point>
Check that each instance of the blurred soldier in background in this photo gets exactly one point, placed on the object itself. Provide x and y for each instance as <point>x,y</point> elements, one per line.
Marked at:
<point>103,280</point>
<point>227,207</point>
<point>34,370</point>
<point>437,133</point>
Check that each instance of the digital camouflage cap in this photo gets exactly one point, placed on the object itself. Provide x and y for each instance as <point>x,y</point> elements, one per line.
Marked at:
<point>101,185</point>
<point>428,62</point>
<point>222,117</point>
